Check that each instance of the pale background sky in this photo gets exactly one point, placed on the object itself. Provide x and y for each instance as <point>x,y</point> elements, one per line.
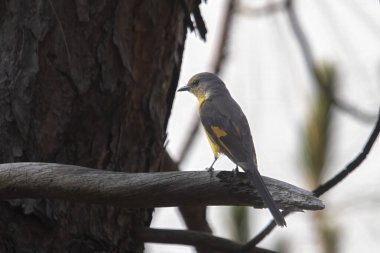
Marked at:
<point>265,73</point>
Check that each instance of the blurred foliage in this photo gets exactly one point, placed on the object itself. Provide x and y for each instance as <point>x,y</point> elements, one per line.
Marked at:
<point>317,128</point>
<point>240,223</point>
<point>282,246</point>
<point>316,147</point>
<point>329,234</point>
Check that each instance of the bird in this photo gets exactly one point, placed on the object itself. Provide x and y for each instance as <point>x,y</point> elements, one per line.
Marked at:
<point>228,132</point>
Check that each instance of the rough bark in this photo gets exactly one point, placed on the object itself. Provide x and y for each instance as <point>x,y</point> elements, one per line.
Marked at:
<point>163,189</point>
<point>89,83</point>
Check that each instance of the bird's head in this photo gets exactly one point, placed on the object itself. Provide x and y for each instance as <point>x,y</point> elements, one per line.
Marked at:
<point>205,85</point>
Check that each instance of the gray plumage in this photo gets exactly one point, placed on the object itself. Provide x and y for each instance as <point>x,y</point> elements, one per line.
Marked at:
<point>227,127</point>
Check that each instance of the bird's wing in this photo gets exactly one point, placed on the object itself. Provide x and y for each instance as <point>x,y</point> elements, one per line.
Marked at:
<point>227,126</point>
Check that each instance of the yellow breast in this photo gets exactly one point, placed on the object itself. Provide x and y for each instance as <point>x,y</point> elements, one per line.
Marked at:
<point>201,96</point>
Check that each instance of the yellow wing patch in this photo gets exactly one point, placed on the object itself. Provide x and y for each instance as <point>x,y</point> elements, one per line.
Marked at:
<point>218,132</point>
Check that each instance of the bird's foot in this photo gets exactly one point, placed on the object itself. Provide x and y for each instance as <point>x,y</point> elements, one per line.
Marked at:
<point>235,171</point>
<point>210,169</point>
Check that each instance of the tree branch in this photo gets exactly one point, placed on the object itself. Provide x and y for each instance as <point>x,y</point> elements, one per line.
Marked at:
<point>353,164</point>
<point>193,238</point>
<point>309,58</point>
<point>74,183</point>
<point>326,186</point>
<point>307,53</point>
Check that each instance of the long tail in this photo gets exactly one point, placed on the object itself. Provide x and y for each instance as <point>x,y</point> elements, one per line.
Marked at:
<point>258,181</point>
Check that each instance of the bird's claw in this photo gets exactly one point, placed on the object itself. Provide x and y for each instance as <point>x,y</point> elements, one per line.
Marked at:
<point>210,169</point>
<point>235,171</point>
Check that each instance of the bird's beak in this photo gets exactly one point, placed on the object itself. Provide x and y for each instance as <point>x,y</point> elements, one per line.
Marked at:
<point>184,88</point>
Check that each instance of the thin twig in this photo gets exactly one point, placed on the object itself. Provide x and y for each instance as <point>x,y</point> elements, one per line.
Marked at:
<point>258,238</point>
<point>310,63</point>
<point>306,50</point>
<point>193,238</point>
<point>352,165</point>
<point>220,52</point>
<point>328,185</point>
<point>274,8</point>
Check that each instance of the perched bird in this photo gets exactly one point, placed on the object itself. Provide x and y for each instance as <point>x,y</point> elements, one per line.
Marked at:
<point>228,132</point>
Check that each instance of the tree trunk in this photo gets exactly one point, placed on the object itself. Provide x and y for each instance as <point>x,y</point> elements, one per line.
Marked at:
<point>88,83</point>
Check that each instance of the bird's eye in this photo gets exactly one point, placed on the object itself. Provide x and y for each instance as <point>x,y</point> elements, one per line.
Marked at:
<point>195,82</point>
